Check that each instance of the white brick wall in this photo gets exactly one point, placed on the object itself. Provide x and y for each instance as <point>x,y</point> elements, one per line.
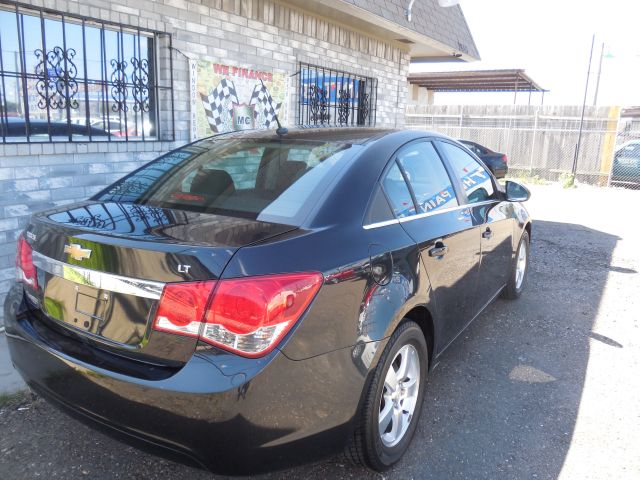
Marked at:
<point>260,33</point>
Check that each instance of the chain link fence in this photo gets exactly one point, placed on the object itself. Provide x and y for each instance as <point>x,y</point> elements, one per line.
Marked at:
<point>550,142</point>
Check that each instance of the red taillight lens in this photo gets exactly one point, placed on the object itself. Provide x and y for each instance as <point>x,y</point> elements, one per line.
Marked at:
<point>182,307</point>
<point>25,269</point>
<point>504,159</point>
<point>248,316</point>
<point>251,315</point>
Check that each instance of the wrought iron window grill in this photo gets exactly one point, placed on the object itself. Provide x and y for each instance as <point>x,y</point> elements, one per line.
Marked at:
<point>75,79</point>
<point>336,98</point>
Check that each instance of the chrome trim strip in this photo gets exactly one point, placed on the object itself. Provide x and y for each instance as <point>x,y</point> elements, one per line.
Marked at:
<point>381,224</point>
<point>427,214</point>
<point>101,280</point>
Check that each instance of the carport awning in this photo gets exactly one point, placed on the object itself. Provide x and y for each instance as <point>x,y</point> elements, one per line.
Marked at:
<point>513,80</point>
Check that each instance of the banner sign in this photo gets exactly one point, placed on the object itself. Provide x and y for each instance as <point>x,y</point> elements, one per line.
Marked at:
<point>193,99</point>
<point>226,98</point>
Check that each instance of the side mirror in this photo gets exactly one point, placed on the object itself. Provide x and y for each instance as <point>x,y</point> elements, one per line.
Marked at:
<point>516,192</point>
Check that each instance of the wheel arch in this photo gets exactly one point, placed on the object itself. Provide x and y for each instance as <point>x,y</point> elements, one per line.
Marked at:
<point>422,316</point>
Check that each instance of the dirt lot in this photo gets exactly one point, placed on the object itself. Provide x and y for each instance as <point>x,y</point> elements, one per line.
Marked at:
<point>543,387</point>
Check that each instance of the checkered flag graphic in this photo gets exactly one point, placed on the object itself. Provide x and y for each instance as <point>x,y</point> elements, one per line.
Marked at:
<point>264,111</point>
<point>218,105</point>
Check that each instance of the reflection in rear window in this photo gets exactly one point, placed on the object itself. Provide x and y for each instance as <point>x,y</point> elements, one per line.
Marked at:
<point>270,180</point>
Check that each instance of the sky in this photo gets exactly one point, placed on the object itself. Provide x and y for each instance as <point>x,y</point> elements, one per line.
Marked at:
<point>551,40</point>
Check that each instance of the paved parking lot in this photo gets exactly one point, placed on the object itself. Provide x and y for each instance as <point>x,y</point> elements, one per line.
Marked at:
<point>543,387</point>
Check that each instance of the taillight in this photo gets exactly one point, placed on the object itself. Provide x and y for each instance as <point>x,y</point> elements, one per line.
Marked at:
<point>248,316</point>
<point>504,159</point>
<point>182,307</point>
<point>25,269</point>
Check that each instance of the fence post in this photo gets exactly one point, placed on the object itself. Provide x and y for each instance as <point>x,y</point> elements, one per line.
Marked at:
<point>533,140</point>
<point>508,143</point>
<point>460,124</point>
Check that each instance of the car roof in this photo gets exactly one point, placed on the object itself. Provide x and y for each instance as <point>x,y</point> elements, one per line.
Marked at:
<point>630,142</point>
<point>353,135</point>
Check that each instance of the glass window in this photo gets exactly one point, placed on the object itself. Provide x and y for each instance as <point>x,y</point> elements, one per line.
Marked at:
<point>379,210</point>
<point>65,78</point>
<point>269,180</point>
<point>475,180</point>
<point>398,193</point>
<point>428,177</point>
<point>628,155</point>
<point>334,97</point>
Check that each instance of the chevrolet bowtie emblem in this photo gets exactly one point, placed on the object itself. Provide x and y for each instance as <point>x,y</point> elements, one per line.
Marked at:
<point>77,252</point>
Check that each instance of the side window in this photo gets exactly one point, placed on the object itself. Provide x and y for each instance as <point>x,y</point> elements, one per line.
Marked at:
<point>379,210</point>
<point>428,177</point>
<point>475,180</point>
<point>398,193</point>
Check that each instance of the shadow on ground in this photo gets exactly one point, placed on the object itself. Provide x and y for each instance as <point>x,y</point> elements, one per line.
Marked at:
<point>502,403</point>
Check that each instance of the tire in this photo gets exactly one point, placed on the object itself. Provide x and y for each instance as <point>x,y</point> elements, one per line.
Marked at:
<point>515,285</point>
<point>367,446</point>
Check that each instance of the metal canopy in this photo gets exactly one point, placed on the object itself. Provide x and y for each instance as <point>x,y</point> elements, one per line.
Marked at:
<point>514,80</point>
<point>630,112</point>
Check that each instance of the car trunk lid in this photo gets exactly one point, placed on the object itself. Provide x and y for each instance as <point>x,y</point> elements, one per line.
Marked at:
<point>102,267</point>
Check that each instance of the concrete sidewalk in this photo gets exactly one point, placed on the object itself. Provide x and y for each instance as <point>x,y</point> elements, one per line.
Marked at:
<point>10,381</point>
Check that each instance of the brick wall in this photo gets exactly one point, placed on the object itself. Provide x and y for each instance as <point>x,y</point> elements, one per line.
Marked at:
<point>260,33</point>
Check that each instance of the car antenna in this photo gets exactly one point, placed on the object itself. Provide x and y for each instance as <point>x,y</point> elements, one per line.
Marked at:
<point>280,131</point>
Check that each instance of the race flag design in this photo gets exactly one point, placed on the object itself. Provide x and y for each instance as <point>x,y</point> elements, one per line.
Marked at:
<point>264,111</point>
<point>218,105</point>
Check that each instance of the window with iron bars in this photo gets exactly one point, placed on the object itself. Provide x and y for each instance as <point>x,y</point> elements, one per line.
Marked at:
<point>66,78</point>
<point>336,98</point>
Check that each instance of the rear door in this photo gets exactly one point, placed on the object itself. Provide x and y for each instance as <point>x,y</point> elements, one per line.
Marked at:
<point>423,197</point>
<point>487,212</point>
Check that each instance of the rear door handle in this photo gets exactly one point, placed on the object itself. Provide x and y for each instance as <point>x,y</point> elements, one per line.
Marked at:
<point>487,233</point>
<point>439,250</point>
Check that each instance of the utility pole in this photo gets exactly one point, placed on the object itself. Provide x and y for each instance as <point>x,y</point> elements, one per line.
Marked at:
<point>595,95</point>
<point>584,104</point>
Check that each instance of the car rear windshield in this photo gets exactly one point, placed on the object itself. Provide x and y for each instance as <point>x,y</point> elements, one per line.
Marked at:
<point>268,180</point>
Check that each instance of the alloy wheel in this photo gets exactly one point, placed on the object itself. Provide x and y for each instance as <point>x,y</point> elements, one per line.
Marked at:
<point>399,395</point>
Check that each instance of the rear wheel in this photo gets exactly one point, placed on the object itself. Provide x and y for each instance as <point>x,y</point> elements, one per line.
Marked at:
<point>519,269</point>
<point>393,401</point>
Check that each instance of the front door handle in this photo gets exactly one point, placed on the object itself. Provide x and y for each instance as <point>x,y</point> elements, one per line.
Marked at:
<point>439,250</point>
<point>487,233</point>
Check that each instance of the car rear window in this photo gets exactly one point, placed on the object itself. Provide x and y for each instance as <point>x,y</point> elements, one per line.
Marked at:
<point>269,180</point>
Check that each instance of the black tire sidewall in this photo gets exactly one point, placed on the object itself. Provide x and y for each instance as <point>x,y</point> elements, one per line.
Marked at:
<point>383,456</point>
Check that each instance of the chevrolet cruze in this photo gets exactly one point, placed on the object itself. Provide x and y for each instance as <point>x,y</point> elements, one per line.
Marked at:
<point>252,300</point>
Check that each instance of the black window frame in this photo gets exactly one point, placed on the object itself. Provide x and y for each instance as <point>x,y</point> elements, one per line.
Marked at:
<point>144,92</point>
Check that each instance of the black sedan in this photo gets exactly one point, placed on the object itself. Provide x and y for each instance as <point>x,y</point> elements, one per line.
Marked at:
<point>496,162</point>
<point>252,301</point>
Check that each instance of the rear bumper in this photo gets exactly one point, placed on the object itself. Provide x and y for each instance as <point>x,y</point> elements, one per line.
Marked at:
<point>228,414</point>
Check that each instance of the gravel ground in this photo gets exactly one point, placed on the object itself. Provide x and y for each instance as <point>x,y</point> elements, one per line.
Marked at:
<point>543,387</point>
